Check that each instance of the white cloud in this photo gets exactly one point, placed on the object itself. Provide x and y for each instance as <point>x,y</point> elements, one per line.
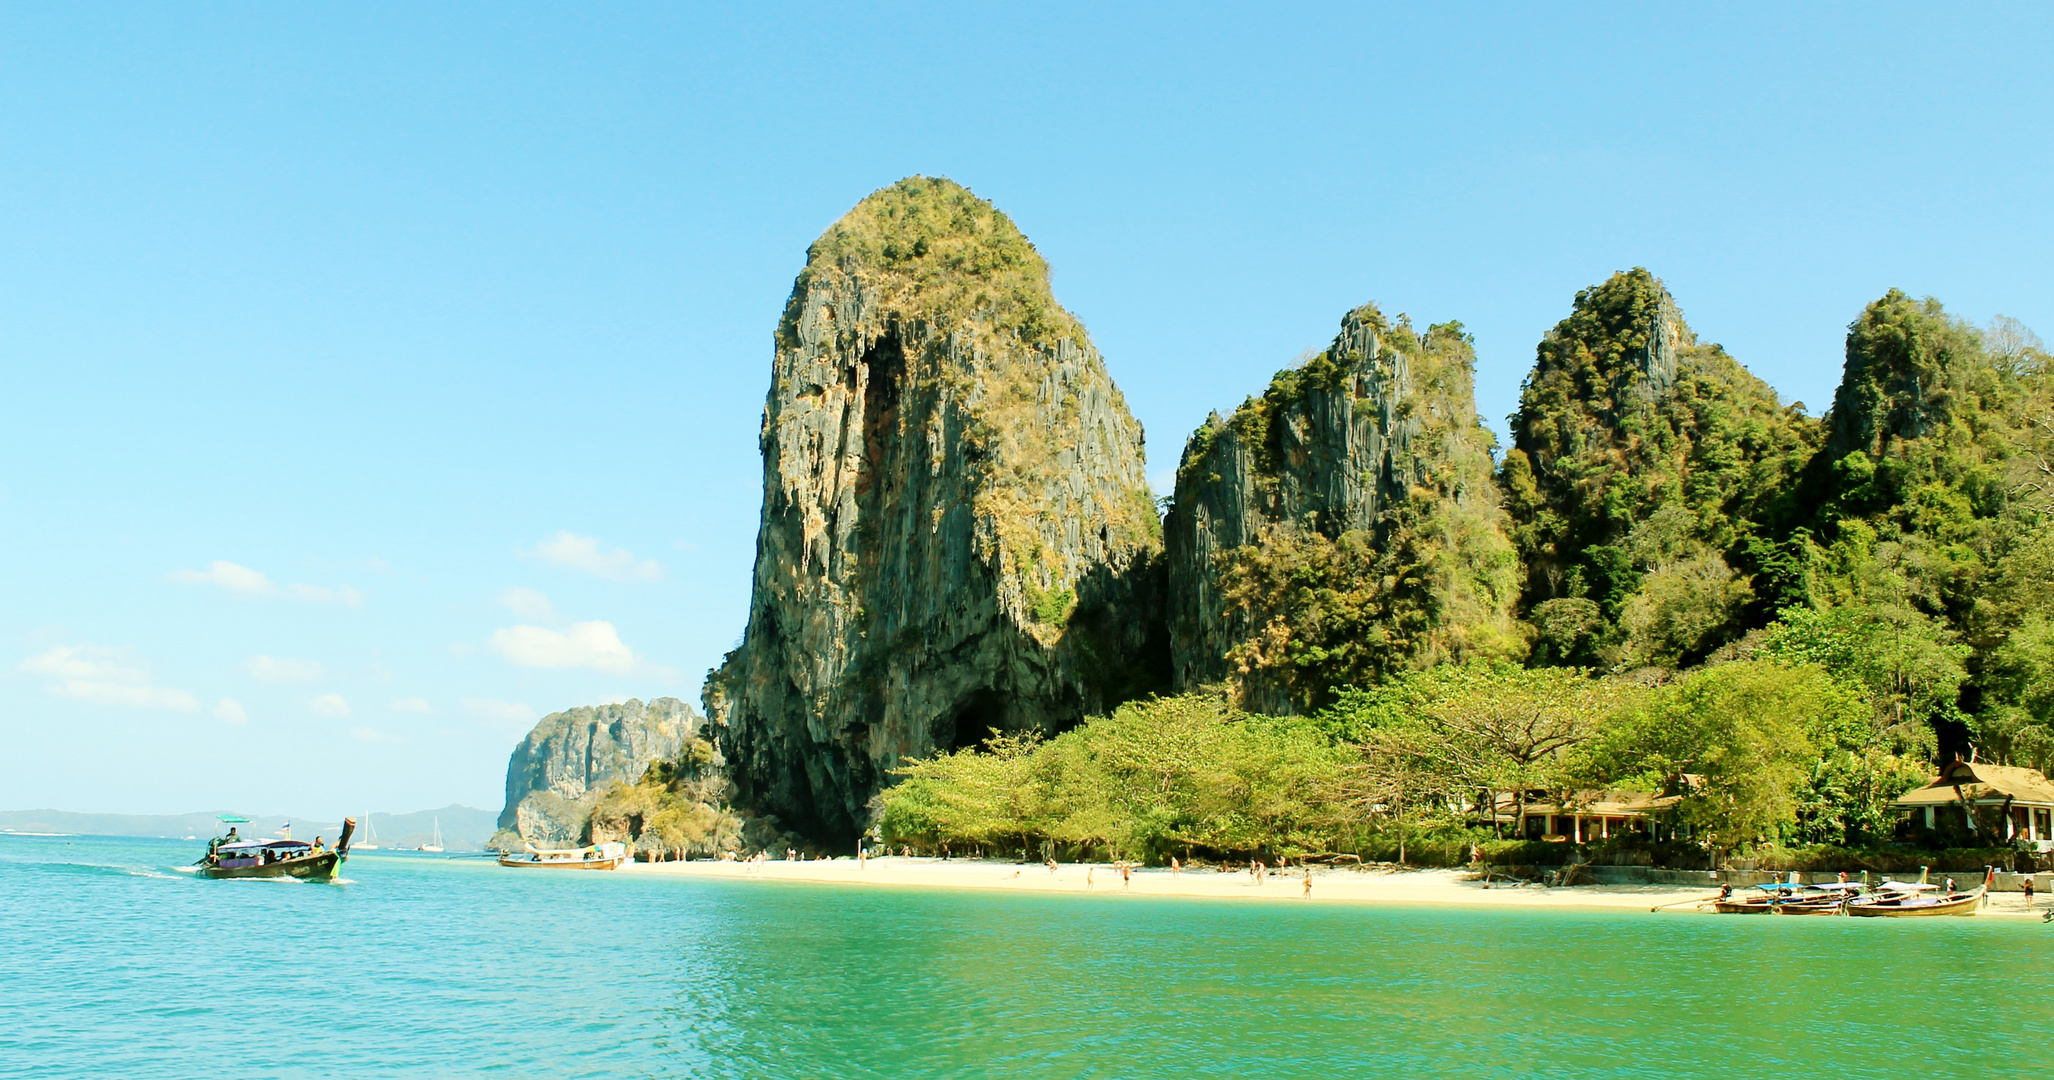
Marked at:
<point>595,645</point>
<point>229,576</point>
<point>411,705</point>
<point>332,706</point>
<point>105,677</point>
<point>373,735</point>
<point>250,582</point>
<point>584,553</point>
<point>491,709</point>
<point>230,711</point>
<point>528,604</point>
<point>278,669</point>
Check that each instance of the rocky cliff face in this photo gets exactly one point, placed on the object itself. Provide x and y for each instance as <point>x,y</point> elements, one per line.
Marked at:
<point>557,773</point>
<point>1342,524</point>
<point>956,532</point>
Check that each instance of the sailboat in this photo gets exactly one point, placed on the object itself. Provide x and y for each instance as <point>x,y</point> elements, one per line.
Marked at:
<point>437,845</point>
<point>370,836</point>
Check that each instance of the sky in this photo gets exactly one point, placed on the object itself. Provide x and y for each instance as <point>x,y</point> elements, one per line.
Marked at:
<point>380,378</point>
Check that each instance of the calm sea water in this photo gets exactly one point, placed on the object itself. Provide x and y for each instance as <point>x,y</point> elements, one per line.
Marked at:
<point>114,964</point>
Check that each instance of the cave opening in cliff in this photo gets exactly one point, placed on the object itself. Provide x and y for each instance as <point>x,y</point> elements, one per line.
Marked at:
<point>972,721</point>
<point>884,365</point>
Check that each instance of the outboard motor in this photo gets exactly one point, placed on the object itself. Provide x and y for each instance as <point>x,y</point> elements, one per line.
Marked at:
<point>349,828</point>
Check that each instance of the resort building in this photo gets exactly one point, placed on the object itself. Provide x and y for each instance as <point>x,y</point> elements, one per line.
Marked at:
<point>1590,816</point>
<point>2022,799</point>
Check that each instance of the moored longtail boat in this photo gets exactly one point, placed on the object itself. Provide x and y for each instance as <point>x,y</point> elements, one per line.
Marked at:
<point>274,858</point>
<point>596,857</point>
<point>1780,898</point>
<point>1901,901</point>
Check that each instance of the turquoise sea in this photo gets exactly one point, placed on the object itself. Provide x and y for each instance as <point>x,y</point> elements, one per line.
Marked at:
<point>114,964</point>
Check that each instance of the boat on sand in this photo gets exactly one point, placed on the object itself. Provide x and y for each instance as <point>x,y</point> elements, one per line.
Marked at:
<point>1915,900</point>
<point>1790,899</point>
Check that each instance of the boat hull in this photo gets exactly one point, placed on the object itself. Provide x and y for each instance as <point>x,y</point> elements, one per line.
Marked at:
<point>1964,905</point>
<point>560,864</point>
<point>318,867</point>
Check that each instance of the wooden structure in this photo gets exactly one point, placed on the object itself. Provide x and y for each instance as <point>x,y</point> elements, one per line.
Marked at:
<point>2021,800</point>
<point>1590,816</point>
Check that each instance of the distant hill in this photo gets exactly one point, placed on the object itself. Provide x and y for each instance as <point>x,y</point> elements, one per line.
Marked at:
<point>464,828</point>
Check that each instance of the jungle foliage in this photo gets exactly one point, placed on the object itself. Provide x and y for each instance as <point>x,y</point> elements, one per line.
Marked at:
<point>1762,753</point>
<point>677,810</point>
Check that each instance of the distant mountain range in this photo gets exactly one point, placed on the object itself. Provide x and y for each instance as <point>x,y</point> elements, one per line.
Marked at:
<point>464,828</point>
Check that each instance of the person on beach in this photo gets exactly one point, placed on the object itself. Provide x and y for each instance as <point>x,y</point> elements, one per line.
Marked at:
<point>1308,883</point>
<point>1090,878</point>
<point>2028,892</point>
<point>1176,867</point>
<point>1126,874</point>
<point>1051,864</point>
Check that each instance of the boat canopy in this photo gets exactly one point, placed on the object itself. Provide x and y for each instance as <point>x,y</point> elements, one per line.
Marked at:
<point>260,845</point>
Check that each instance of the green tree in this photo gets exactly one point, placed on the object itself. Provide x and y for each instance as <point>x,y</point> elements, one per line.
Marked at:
<point>1485,728</point>
<point>1761,751</point>
<point>1909,665</point>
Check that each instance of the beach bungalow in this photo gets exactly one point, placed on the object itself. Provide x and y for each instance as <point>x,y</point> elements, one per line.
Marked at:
<point>2022,799</point>
<point>1590,816</point>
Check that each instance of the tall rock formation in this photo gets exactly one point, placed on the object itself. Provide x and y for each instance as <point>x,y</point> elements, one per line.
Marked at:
<point>1643,464</point>
<point>557,773</point>
<point>1342,525</point>
<point>956,534</point>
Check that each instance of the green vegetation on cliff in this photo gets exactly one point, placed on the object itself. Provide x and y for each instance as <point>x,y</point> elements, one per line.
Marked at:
<point>1344,525</point>
<point>1642,465</point>
<point>1929,510</point>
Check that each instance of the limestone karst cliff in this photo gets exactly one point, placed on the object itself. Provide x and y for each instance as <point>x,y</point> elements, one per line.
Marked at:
<point>557,773</point>
<point>1342,525</point>
<point>1642,465</point>
<point>956,531</point>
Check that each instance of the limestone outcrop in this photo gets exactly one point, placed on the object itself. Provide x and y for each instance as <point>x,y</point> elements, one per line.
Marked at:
<point>1645,476</point>
<point>956,532</point>
<point>557,773</point>
<point>1344,523</point>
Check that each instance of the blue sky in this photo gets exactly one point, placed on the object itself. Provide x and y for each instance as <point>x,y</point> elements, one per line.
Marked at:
<point>380,379</point>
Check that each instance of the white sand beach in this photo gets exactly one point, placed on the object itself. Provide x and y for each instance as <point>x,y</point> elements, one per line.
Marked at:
<point>1347,885</point>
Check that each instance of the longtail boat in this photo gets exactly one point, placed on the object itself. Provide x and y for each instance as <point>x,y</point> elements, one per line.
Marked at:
<point>1899,900</point>
<point>1778,898</point>
<point>230,857</point>
<point>596,857</point>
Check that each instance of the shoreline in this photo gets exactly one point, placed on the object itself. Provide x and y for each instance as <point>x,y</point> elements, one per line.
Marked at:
<point>1330,886</point>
